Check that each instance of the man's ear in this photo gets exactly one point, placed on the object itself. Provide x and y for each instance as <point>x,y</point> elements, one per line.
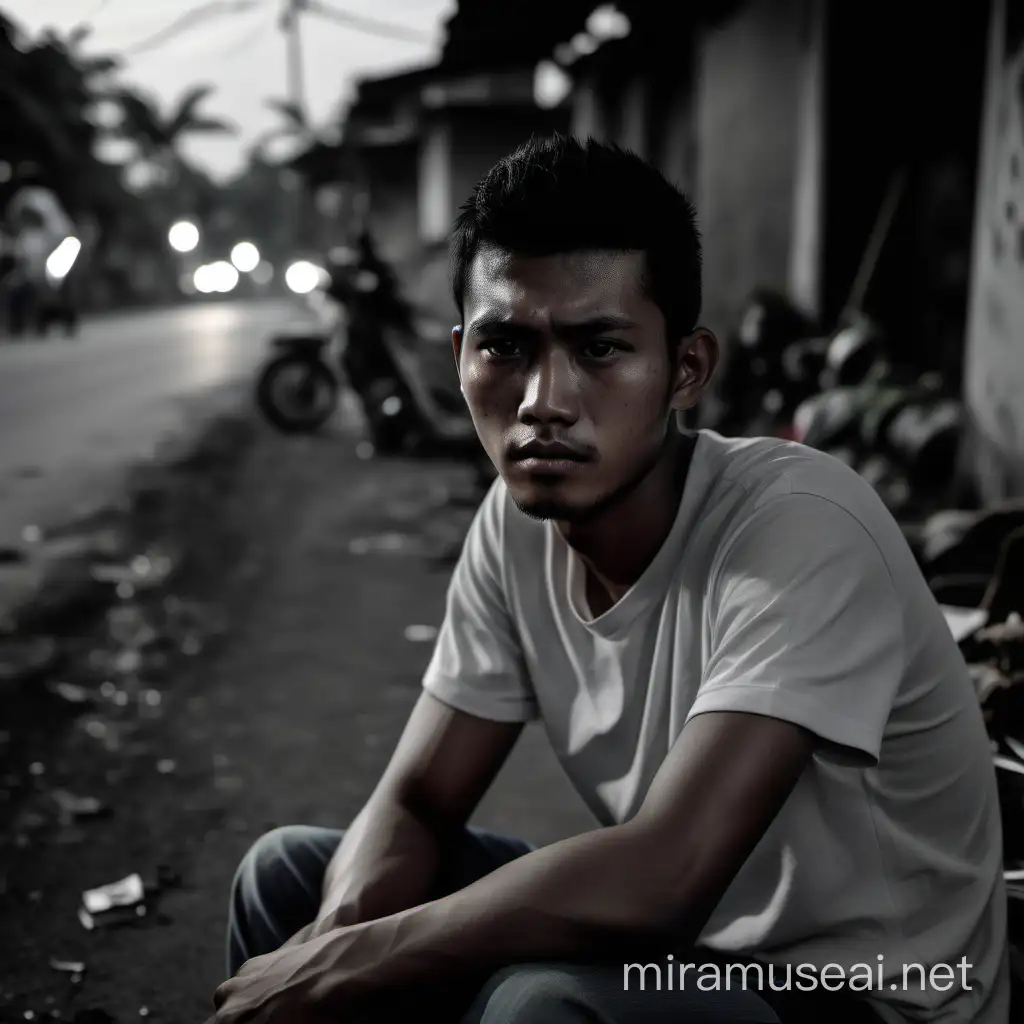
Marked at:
<point>457,347</point>
<point>695,366</point>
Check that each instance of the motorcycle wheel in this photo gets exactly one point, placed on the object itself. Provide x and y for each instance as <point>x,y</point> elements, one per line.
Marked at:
<point>296,393</point>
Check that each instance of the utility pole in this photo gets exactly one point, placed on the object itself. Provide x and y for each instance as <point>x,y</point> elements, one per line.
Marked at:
<point>291,26</point>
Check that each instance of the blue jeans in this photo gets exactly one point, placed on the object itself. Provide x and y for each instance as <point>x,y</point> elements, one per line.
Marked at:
<point>276,892</point>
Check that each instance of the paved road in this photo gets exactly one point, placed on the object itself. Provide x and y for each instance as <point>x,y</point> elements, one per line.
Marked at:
<point>74,413</point>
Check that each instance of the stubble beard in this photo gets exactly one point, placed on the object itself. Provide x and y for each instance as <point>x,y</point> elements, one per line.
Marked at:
<point>578,515</point>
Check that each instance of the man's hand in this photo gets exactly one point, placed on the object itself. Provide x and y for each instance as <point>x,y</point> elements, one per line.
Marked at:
<point>299,984</point>
<point>304,934</point>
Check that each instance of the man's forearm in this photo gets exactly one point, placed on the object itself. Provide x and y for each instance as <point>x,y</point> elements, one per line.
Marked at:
<point>592,896</point>
<point>387,862</point>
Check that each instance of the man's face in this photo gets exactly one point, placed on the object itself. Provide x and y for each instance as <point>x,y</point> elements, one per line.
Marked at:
<point>568,376</point>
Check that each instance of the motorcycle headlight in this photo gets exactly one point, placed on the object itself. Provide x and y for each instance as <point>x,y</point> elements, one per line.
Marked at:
<point>62,259</point>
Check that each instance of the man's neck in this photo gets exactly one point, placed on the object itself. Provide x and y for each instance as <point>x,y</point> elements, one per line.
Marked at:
<point>617,545</point>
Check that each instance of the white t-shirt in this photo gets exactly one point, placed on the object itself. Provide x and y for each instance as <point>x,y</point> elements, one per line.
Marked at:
<point>785,588</point>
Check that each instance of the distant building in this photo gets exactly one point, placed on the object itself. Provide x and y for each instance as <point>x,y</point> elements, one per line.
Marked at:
<point>414,144</point>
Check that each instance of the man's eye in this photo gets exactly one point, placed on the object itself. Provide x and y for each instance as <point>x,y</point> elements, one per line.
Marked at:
<point>501,349</point>
<point>600,349</point>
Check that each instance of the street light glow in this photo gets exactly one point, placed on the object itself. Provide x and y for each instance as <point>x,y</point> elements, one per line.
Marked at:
<point>183,236</point>
<point>215,277</point>
<point>245,256</point>
<point>302,277</point>
<point>264,273</point>
<point>223,276</point>
<point>201,279</point>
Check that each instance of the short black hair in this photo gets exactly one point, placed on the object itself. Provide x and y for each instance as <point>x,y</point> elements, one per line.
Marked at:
<point>560,194</point>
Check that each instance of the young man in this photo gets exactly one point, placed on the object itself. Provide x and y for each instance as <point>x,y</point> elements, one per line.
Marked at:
<point>732,650</point>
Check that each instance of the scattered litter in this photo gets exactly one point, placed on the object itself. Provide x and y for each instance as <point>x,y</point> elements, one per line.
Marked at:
<point>31,534</point>
<point>166,765</point>
<point>96,728</point>
<point>143,571</point>
<point>115,904</point>
<point>124,893</point>
<point>70,692</point>
<point>128,662</point>
<point>73,806</point>
<point>103,731</point>
<point>382,543</point>
<point>418,634</point>
<point>68,966</point>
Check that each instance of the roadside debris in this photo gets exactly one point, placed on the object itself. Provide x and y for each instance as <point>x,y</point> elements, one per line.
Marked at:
<point>113,904</point>
<point>129,890</point>
<point>67,966</point>
<point>73,807</point>
<point>420,634</point>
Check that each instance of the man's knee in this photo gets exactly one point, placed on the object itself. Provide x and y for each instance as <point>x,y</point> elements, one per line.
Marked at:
<point>270,855</point>
<point>530,992</point>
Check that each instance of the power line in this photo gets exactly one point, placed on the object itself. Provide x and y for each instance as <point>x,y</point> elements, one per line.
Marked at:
<point>372,26</point>
<point>246,39</point>
<point>189,19</point>
<point>98,9</point>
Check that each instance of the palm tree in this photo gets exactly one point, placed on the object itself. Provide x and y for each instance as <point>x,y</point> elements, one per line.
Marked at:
<point>296,128</point>
<point>158,136</point>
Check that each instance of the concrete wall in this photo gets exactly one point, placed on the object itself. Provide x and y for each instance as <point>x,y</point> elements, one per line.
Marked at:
<point>435,171</point>
<point>391,176</point>
<point>994,363</point>
<point>457,148</point>
<point>749,76</point>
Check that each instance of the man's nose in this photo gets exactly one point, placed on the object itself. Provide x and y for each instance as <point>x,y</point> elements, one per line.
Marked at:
<point>552,390</point>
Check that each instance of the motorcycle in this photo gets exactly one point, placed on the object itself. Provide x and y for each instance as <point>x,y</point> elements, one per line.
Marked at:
<point>371,342</point>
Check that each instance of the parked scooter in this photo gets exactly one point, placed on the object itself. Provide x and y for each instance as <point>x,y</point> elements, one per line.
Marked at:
<point>369,341</point>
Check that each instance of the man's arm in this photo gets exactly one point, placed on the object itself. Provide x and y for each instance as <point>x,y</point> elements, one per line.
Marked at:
<point>658,876</point>
<point>389,859</point>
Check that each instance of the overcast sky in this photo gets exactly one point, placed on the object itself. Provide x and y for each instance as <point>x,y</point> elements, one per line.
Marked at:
<point>242,54</point>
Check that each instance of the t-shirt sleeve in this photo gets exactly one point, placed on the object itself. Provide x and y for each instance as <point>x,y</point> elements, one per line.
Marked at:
<point>477,664</point>
<point>806,626</point>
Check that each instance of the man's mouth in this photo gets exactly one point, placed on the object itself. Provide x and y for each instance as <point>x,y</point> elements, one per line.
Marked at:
<point>549,451</point>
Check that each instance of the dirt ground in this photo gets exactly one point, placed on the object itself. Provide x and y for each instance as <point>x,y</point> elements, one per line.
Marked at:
<point>314,561</point>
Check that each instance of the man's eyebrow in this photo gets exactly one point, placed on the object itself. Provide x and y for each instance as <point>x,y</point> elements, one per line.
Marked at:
<point>496,326</point>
